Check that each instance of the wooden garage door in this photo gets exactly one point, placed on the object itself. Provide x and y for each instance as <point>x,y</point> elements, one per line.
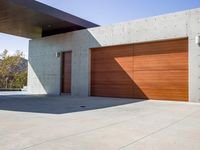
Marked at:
<point>156,70</point>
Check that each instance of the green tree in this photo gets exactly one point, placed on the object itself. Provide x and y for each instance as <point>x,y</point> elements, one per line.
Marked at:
<point>12,75</point>
<point>20,79</point>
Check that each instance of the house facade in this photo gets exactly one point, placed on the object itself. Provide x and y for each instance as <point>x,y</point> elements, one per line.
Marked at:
<point>152,58</point>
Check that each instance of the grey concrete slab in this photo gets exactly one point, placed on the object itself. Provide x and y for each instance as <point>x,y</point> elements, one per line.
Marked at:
<point>13,93</point>
<point>105,123</point>
<point>184,135</point>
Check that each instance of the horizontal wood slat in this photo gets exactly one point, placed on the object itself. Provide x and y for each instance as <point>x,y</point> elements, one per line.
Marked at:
<point>108,78</point>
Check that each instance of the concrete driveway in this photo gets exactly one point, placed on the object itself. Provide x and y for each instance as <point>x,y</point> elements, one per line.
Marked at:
<point>92,123</point>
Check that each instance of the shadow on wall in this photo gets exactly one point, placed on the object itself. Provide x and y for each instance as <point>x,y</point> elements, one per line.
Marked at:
<point>58,104</point>
<point>153,70</point>
<point>45,67</point>
<point>112,73</point>
<point>110,67</point>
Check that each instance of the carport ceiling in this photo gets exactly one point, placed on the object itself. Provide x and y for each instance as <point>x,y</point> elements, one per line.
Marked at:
<point>32,19</point>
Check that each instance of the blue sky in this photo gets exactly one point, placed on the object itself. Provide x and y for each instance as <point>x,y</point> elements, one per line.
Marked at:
<point>104,12</point>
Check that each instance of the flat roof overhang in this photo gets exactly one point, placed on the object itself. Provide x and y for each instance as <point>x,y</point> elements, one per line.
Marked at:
<point>32,19</point>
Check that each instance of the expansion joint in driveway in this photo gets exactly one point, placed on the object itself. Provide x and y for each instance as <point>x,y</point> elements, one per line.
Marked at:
<point>158,131</point>
<point>84,132</point>
<point>76,134</point>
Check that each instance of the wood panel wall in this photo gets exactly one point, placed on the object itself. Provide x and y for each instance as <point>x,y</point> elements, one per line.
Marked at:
<point>155,70</point>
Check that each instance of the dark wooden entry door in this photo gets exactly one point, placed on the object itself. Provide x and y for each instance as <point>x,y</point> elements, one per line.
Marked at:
<point>66,72</point>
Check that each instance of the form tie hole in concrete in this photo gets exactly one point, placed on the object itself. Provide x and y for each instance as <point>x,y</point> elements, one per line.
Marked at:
<point>82,106</point>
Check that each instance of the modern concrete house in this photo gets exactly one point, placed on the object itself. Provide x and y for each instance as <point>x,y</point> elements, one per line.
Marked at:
<point>152,58</point>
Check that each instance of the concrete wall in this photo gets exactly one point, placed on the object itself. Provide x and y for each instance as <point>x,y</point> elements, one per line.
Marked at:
<point>44,67</point>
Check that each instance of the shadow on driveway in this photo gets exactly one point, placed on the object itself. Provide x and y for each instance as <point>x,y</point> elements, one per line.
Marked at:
<point>58,104</point>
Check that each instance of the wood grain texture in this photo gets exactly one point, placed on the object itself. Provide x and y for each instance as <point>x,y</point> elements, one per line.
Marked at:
<point>108,78</point>
<point>161,70</point>
<point>162,85</point>
<point>66,72</point>
<point>155,70</point>
<point>165,55</point>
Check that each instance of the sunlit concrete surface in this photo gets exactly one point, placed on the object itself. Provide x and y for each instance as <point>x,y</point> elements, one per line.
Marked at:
<point>4,93</point>
<point>93,123</point>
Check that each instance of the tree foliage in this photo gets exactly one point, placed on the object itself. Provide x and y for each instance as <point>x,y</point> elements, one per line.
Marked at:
<point>12,73</point>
